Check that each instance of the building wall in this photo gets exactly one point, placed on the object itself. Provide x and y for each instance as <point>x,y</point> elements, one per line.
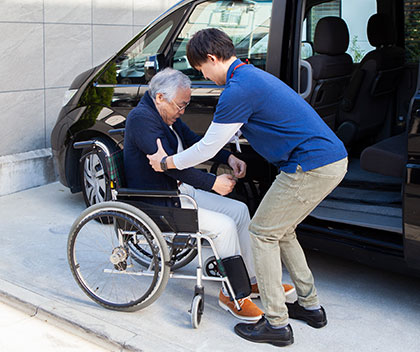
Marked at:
<point>44,45</point>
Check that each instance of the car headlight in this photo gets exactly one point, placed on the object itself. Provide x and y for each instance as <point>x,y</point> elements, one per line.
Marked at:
<point>68,95</point>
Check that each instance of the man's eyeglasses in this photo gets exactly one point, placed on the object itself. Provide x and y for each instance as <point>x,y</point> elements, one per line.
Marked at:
<point>180,108</point>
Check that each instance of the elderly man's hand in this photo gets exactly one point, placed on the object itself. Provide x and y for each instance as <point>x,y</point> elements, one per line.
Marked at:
<point>155,159</point>
<point>238,166</point>
<point>224,184</point>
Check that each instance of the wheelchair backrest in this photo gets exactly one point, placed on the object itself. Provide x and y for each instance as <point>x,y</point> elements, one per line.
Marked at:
<point>116,169</point>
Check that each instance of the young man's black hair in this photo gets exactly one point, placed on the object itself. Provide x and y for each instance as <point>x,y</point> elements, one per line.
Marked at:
<point>209,41</point>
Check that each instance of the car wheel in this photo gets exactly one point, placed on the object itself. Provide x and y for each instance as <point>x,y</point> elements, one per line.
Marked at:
<point>93,169</point>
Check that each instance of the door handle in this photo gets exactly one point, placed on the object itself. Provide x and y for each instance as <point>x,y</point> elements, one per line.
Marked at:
<point>308,89</point>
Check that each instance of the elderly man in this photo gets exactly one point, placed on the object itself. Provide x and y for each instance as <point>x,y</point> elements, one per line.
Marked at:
<point>225,220</point>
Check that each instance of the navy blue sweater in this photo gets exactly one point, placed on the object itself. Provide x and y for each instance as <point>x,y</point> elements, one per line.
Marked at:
<point>143,126</point>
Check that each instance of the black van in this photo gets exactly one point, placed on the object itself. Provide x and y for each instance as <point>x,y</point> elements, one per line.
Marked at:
<point>370,99</point>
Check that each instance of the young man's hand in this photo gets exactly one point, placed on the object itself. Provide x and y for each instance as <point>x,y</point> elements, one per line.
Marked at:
<point>224,184</point>
<point>238,166</point>
<point>155,159</point>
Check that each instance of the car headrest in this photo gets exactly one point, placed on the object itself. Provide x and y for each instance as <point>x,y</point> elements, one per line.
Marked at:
<point>381,30</point>
<point>331,36</point>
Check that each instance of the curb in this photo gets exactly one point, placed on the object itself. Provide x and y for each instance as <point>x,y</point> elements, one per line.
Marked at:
<point>55,312</point>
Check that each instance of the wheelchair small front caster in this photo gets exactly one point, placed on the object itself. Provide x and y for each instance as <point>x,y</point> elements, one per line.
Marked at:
<point>197,306</point>
<point>210,267</point>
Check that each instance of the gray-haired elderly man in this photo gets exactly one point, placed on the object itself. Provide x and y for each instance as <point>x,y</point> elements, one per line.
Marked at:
<point>157,116</point>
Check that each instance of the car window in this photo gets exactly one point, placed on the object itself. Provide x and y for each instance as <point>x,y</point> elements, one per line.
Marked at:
<point>355,13</point>
<point>412,32</point>
<point>246,22</point>
<point>130,65</point>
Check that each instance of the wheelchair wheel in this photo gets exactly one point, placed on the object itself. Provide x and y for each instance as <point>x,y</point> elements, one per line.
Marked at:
<point>101,260</point>
<point>211,268</point>
<point>197,307</point>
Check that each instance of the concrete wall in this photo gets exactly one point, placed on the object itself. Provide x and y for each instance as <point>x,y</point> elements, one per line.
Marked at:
<point>44,45</point>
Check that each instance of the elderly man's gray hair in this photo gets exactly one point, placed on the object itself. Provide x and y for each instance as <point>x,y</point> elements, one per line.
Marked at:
<point>167,82</point>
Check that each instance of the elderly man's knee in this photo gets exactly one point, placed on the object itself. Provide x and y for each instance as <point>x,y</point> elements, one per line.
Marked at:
<point>229,225</point>
<point>244,212</point>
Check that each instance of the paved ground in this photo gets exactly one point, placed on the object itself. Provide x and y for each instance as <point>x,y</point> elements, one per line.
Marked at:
<point>19,330</point>
<point>368,309</point>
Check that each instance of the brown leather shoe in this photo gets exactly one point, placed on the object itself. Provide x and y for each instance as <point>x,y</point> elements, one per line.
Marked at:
<point>255,292</point>
<point>249,310</point>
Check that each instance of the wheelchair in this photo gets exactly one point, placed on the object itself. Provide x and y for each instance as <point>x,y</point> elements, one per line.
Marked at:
<point>122,252</point>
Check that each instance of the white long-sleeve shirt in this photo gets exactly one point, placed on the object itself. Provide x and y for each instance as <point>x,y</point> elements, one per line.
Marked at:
<point>216,137</point>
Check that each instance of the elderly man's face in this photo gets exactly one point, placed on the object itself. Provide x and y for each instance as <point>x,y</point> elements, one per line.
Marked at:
<point>170,110</point>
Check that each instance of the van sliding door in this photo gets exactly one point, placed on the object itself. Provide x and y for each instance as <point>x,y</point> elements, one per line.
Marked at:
<point>411,204</point>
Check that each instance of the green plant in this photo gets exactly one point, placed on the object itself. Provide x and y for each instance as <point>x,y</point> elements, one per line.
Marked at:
<point>356,51</point>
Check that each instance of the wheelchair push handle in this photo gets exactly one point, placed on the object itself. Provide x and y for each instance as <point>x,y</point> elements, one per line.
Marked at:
<point>83,144</point>
<point>92,144</point>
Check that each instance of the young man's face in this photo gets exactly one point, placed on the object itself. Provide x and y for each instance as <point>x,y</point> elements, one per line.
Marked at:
<point>213,70</point>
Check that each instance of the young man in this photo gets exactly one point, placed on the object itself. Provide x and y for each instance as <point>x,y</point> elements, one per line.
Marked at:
<point>312,161</point>
<point>224,219</point>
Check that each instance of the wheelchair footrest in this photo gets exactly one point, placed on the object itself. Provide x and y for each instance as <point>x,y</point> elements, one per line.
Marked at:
<point>237,275</point>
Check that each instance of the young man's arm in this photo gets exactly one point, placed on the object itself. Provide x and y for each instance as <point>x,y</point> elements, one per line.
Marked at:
<point>216,137</point>
<point>189,138</point>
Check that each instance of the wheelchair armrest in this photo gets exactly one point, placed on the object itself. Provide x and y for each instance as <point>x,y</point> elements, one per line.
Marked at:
<point>146,193</point>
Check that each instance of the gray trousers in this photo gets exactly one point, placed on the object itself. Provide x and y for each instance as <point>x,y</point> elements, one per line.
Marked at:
<point>226,221</point>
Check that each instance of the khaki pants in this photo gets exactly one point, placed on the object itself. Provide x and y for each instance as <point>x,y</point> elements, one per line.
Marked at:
<point>290,199</point>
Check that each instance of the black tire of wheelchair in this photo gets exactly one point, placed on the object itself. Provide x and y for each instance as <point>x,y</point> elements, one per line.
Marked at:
<point>129,209</point>
<point>197,308</point>
<point>112,148</point>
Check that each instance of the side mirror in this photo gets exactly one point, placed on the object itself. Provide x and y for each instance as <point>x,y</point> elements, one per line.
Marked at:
<point>152,65</point>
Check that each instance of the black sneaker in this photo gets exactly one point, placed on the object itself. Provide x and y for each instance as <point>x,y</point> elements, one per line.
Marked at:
<point>316,318</point>
<point>262,332</point>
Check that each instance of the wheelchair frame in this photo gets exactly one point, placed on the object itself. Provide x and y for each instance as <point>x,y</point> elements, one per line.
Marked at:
<point>128,251</point>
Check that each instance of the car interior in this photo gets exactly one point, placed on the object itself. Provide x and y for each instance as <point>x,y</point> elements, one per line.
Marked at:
<point>366,103</point>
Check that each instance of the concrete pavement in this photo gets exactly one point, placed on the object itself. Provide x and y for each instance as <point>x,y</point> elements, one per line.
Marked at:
<point>17,328</point>
<point>368,309</point>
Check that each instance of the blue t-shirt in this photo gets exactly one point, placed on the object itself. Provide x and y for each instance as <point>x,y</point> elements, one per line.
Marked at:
<point>280,125</point>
